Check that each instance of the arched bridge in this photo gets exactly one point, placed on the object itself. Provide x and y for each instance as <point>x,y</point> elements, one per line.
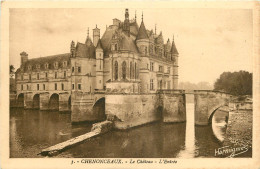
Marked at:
<point>207,102</point>
<point>44,100</point>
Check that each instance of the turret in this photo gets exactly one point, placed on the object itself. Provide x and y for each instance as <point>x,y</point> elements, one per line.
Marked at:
<point>142,39</point>
<point>96,36</point>
<point>24,57</point>
<point>174,51</point>
<point>174,58</point>
<point>99,66</point>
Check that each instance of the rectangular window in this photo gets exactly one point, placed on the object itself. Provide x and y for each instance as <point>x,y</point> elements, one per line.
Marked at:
<point>151,84</point>
<point>168,84</point>
<point>65,74</point>
<point>46,75</point>
<point>168,69</point>
<point>27,87</point>
<point>79,86</point>
<point>21,87</point>
<point>62,86</point>
<point>56,75</point>
<point>72,69</point>
<point>21,77</point>
<point>30,77</point>
<point>38,76</point>
<point>43,86</point>
<point>38,87</point>
<point>79,69</point>
<point>55,86</point>
<point>151,66</point>
<point>73,86</point>
<point>160,69</point>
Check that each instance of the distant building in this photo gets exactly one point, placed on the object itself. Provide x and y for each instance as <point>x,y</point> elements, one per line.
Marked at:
<point>127,59</point>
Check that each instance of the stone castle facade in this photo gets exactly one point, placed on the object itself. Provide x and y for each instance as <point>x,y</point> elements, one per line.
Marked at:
<point>126,59</point>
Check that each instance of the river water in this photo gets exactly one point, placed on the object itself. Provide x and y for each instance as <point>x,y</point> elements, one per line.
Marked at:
<point>33,130</point>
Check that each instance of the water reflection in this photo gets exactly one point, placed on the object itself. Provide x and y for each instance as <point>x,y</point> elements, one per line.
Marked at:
<point>149,141</point>
<point>33,130</point>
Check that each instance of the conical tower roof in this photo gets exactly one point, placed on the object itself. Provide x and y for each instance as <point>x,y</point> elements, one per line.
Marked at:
<point>142,34</point>
<point>174,49</point>
<point>99,45</point>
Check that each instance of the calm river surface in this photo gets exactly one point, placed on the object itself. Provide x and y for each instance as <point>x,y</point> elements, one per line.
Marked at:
<point>33,130</point>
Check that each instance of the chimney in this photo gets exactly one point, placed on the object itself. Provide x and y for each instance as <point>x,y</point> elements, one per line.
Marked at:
<point>96,36</point>
<point>24,57</point>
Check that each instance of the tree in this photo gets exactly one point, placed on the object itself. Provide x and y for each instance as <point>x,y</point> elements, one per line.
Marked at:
<point>11,71</point>
<point>236,83</point>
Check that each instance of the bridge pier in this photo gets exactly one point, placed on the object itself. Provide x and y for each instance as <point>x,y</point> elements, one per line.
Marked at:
<point>44,101</point>
<point>64,102</point>
<point>174,106</point>
<point>28,100</point>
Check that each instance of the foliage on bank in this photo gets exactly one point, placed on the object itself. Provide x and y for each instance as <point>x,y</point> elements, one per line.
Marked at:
<point>235,83</point>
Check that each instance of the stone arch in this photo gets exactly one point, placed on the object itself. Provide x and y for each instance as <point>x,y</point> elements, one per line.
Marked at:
<point>20,100</point>
<point>36,101</point>
<point>213,110</point>
<point>99,108</point>
<point>54,102</point>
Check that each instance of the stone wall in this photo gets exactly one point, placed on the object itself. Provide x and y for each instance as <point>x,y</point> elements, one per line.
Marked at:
<point>132,109</point>
<point>237,136</point>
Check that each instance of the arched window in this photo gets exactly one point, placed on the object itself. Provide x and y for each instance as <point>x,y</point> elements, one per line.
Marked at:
<point>116,70</point>
<point>131,70</point>
<point>124,70</point>
<point>135,72</point>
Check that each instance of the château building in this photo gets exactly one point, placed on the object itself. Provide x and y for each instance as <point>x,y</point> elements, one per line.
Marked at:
<point>126,59</point>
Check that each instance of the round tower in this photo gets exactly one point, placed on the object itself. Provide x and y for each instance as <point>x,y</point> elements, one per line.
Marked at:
<point>174,58</point>
<point>142,42</point>
<point>99,66</point>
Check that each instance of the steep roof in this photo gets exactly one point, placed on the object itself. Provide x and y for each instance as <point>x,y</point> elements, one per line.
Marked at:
<point>134,28</point>
<point>127,43</point>
<point>50,60</point>
<point>142,34</point>
<point>85,51</point>
<point>106,39</point>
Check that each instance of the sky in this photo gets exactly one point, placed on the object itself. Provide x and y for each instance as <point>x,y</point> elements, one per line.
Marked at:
<point>209,41</point>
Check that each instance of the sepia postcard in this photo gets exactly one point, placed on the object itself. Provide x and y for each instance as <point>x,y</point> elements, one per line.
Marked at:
<point>116,84</point>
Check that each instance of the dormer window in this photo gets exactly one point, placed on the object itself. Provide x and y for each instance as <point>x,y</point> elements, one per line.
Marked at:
<point>29,67</point>
<point>38,66</point>
<point>114,47</point>
<point>56,65</point>
<point>46,65</point>
<point>64,63</point>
